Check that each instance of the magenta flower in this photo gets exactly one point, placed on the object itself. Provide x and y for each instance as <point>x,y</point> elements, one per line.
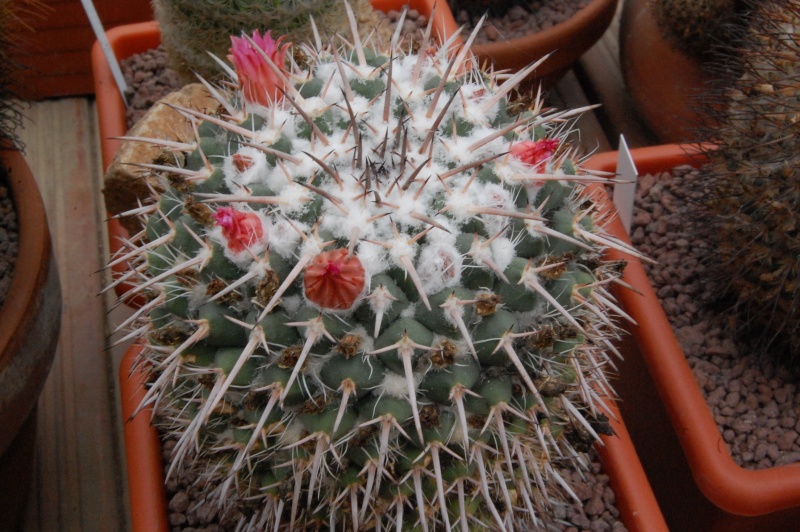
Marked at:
<point>240,229</point>
<point>535,153</point>
<point>259,81</point>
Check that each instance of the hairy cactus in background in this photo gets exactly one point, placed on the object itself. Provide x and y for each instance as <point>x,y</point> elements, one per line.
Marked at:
<point>376,299</point>
<point>190,29</point>
<point>695,26</point>
<point>755,179</point>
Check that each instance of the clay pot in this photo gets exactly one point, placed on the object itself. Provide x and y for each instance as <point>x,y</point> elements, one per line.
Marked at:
<point>30,320</point>
<point>663,82</point>
<point>568,41</point>
<point>696,481</point>
<point>55,39</point>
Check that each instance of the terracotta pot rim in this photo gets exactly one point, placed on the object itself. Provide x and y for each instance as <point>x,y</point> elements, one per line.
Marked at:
<point>580,21</point>
<point>34,255</point>
<point>732,488</point>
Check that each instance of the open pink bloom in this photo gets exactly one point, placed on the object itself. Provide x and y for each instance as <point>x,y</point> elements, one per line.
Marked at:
<point>535,152</point>
<point>258,81</point>
<point>240,229</point>
<point>334,281</point>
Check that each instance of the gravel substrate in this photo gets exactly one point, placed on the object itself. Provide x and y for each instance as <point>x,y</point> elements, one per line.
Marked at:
<point>9,239</point>
<point>518,21</point>
<point>755,402</point>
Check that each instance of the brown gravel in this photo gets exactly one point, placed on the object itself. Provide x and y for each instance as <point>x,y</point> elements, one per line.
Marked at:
<point>9,239</point>
<point>518,22</point>
<point>755,402</point>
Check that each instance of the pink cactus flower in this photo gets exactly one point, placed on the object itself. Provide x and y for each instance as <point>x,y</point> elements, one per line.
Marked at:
<point>258,81</point>
<point>333,280</point>
<point>535,152</point>
<point>240,229</point>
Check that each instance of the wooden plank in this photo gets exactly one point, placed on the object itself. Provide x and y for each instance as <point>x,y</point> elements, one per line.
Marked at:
<point>79,478</point>
<point>600,74</point>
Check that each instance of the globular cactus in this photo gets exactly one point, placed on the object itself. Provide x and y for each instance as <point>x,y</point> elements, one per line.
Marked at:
<point>191,29</point>
<point>374,297</point>
<point>755,180</point>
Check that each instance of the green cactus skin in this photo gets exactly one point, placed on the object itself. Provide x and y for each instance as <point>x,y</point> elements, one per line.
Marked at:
<point>695,26</point>
<point>430,403</point>
<point>755,181</point>
<point>190,29</point>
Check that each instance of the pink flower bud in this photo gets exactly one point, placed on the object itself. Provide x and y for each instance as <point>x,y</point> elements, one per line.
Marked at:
<point>334,281</point>
<point>535,153</point>
<point>258,81</point>
<point>240,229</point>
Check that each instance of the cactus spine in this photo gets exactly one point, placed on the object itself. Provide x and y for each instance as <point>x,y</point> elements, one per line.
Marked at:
<point>755,179</point>
<point>379,299</point>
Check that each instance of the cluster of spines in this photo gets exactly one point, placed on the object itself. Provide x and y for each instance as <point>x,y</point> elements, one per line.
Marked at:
<point>386,403</point>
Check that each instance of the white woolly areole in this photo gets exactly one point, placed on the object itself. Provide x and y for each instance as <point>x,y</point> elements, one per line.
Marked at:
<point>373,258</point>
<point>295,198</point>
<point>502,252</point>
<point>401,249</point>
<point>439,267</point>
<point>395,385</point>
<point>256,173</point>
<point>284,236</point>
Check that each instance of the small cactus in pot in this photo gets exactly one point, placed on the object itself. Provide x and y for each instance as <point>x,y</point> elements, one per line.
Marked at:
<point>375,297</point>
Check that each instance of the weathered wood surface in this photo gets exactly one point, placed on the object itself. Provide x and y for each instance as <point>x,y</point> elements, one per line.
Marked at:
<point>78,483</point>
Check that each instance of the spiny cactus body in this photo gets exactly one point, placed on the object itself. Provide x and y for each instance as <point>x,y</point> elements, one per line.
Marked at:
<point>755,174</point>
<point>377,300</point>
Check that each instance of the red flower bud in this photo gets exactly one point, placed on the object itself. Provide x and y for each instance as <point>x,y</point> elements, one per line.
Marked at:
<point>258,80</point>
<point>334,281</point>
<point>535,153</point>
<point>240,229</point>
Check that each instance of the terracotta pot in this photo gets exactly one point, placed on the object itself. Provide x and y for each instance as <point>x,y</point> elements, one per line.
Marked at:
<point>567,40</point>
<point>696,481</point>
<point>55,44</point>
<point>634,497</point>
<point>131,39</point>
<point>662,81</point>
<point>30,320</point>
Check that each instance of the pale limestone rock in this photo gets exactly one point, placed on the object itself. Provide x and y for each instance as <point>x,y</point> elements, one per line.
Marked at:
<point>124,183</point>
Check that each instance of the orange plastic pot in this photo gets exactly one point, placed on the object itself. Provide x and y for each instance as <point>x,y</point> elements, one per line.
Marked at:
<point>30,319</point>
<point>664,83</point>
<point>567,41</point>
<point>696,481</point>
<point>131,39</point>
